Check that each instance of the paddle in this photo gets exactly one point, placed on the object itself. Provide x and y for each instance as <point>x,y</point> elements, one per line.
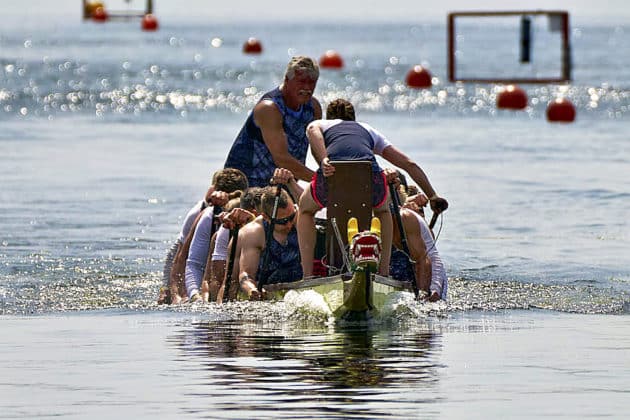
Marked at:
<point>403,235</point>
<point>433,219</point>
<point>230,267</point>
<point>216,210</point>
<point>269,236</point>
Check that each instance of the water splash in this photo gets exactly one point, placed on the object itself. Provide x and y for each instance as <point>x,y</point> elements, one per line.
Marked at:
<point>306,305</point>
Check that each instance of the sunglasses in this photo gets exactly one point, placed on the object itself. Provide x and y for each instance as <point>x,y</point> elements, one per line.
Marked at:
<point>285,220</point>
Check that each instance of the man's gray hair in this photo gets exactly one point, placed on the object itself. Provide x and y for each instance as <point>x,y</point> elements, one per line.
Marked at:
<point>304,64</point>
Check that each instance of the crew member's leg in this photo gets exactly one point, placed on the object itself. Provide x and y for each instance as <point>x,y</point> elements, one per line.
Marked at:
<point>306,230</point>
<point>387,229</point>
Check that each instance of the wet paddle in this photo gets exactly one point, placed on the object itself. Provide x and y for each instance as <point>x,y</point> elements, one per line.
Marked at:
<point>403,236</point>
<point>433,219</point>
<point>269,236</point>
<point>230,267</point>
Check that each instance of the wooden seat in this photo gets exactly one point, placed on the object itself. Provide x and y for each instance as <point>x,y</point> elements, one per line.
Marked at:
<point>349,195</point>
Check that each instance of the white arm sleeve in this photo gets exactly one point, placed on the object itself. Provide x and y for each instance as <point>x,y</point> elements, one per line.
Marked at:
<point>188,221</point>
<point>380,141</point>
<point>439,281</point>
<point>221,245</point>
<point>198,252</point>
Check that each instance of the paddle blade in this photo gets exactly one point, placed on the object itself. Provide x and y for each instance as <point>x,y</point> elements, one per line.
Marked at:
<point>433,219</point>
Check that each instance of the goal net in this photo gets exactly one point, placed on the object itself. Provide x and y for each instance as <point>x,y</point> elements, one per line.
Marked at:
<point>509,47</point>
<point>118,8</point>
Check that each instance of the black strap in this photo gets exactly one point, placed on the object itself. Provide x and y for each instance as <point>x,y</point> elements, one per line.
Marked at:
<point>230,262</point>
<point>269,236</point>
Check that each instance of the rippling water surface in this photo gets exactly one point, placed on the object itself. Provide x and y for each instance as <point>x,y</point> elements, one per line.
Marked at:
<point>469,365</point>
<point>109,135</point>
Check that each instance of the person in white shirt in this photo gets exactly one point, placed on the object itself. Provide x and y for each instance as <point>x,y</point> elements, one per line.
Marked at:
<point>341,138</point>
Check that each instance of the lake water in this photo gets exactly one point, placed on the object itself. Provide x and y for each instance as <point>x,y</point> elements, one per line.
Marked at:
<point>110,134</point>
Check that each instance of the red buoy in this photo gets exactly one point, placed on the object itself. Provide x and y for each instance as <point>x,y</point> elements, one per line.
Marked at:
<point>149,23</point>
<point>100,14</point>
<point>560,110</point>
<point>512,97</point>
<point>418,78</point>
<point>331,60</point>
<point>252,46</point>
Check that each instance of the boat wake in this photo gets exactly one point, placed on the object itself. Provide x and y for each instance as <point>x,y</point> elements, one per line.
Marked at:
<point>21,295</point>
<point>311,307</point>
<point>402,306</point>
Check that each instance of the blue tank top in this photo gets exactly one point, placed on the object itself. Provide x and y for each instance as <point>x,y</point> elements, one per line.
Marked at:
<point>284,263</point>
<point>250,154</point>
<point>348,140</point>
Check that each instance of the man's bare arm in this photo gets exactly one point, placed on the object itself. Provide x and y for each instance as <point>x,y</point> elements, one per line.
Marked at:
<point>269,120</point>
<point>251,238</point>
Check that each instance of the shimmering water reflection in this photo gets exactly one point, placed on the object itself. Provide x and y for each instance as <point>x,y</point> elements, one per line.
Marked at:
<point>119,364</point>
<point>309,372</point>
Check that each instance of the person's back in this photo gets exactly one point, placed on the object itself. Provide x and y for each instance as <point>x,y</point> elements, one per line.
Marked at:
<point>348,140</point>
<point>166,294</point>
<point>352,141</point>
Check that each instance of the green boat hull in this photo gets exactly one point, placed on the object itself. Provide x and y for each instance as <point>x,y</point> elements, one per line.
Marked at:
<point>349,299</point>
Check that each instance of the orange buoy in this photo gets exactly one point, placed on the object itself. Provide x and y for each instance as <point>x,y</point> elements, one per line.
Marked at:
<point>418,78</point>
<point>100,14</point>
<point>512,97</point>
<point>331,60</point>
<point>91,6</point>
<point>252,46</point>
<point>149,22</point>
<point>560,110</point>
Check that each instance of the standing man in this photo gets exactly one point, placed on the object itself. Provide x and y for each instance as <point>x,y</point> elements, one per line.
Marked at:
<point>274,134</point>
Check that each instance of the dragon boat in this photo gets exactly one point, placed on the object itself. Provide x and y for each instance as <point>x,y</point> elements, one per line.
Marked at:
<point>351,288</point>
<point>355,291</point>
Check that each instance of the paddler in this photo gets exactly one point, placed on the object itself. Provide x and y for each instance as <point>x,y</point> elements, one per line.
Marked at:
<point>423,263</point>
<point>267,250</point>
<point>224,182</point>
